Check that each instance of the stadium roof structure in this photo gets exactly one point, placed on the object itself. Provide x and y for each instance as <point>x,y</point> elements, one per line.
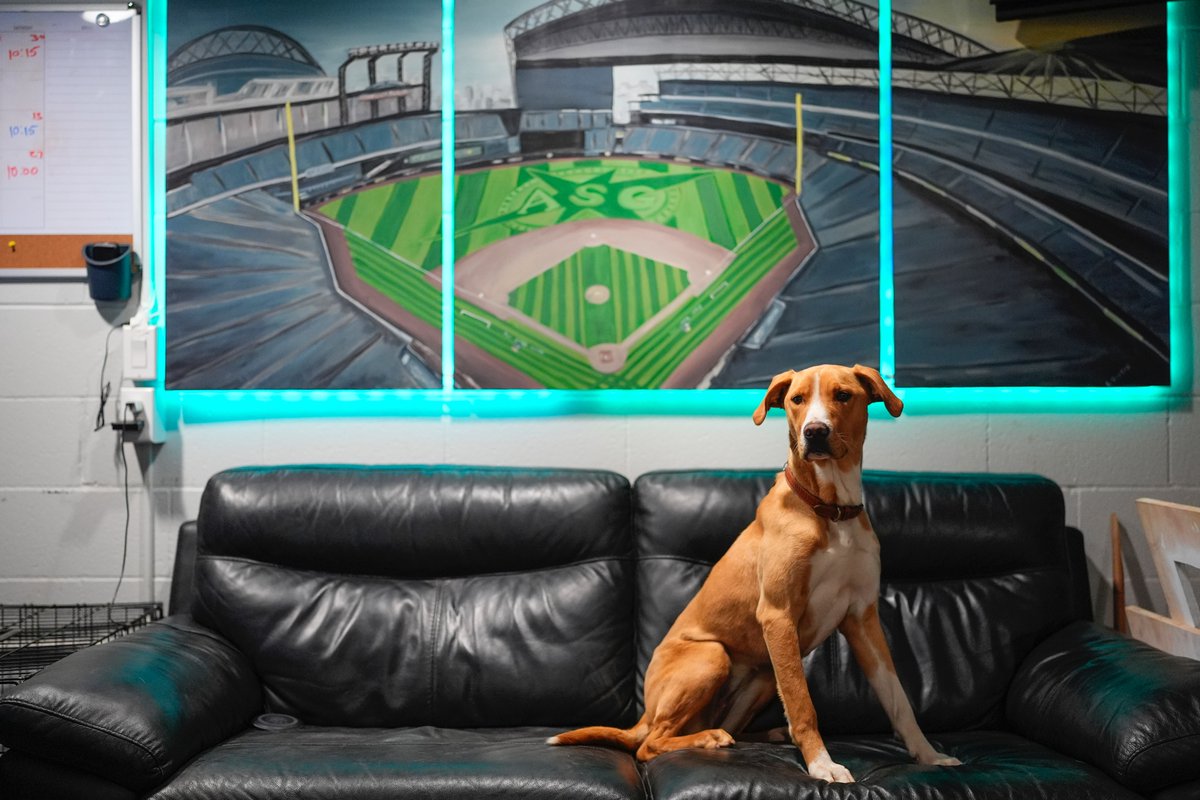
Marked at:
<point>832,42</point>
<point>229,57</point>
<point>559,25</point>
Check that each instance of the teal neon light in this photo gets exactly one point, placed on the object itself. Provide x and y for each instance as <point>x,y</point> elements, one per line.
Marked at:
<point>448,229</point>
<point>224,406</point>
<point>1182,155</point>
<point>156,177</point>
<point>1060,399</point>
<point>1180,18</point>
<point>203,406</point>
<point>887,291</point>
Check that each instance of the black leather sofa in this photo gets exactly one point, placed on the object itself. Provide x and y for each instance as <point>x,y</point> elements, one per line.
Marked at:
<point>431,626</point>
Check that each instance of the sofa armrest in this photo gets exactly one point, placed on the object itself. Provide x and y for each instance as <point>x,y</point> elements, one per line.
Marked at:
<point>1117,703</point>
<point>135,709</point>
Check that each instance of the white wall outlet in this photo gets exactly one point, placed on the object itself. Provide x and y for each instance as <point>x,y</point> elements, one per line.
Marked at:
<point>138,417</point>
<point>140,351</point>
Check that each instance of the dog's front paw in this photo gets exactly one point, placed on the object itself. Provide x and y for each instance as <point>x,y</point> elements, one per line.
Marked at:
<point>715,738</point>
<point>827,769</point>
<point>939,760</point>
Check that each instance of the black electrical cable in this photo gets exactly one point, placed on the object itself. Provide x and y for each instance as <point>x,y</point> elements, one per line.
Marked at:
<point>125,543</point>
<point>105,392</point>
<point>105,386</point>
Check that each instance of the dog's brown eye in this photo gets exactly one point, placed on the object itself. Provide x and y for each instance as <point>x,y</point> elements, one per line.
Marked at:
<point>842,396</point>
<point>798,399</point>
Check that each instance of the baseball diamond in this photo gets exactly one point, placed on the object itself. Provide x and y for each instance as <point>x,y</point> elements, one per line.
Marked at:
<point>599,295</point>
<point>582,274</point>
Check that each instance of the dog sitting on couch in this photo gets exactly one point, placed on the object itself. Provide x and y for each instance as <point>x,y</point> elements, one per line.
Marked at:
<point>807,565</point>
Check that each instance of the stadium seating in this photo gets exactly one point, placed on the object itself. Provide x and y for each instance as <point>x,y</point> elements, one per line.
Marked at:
<point>249,296</point>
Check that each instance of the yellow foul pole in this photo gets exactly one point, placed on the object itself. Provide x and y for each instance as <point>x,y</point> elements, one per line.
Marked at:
<point>799,145</point>
<point>287,110</point>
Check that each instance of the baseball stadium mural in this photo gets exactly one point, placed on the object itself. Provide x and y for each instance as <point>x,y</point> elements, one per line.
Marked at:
<point>649,194</point>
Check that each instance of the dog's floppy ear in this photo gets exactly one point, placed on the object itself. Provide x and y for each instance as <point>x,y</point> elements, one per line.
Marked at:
<point>774,395</point>
<point>878,390</point>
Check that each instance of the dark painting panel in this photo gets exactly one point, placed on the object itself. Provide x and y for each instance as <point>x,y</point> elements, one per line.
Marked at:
<point>278,113</point>
<point>663,195</point>
<point>1031,210</point>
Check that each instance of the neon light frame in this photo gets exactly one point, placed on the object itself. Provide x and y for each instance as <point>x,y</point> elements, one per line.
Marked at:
<point>216,405</point>
<point>1050,398</point>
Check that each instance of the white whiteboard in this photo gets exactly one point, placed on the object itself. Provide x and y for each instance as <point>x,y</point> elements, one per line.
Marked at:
<point>70,133</point>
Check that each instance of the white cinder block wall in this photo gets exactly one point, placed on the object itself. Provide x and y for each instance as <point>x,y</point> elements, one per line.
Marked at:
<point>62,506</point>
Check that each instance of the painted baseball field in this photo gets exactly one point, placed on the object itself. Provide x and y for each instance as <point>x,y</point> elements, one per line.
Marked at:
<point>579,274</point>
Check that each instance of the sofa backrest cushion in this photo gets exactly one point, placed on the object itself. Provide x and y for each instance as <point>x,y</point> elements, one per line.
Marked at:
<point>395,596</point>
<point>976,570</point>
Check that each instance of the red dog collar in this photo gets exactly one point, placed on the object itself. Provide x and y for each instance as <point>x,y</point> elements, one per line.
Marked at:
<point>830,511</point>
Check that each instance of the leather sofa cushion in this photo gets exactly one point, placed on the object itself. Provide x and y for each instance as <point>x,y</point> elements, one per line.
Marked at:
<point>996,766</point>
<point>1125,706</point>
<point>976,569</point>
<point>135,709</point>
<point>931,526</point>
<point>401,596</point>
<point>183,572</point>
<point>395,764</point>
<point>417,522</point>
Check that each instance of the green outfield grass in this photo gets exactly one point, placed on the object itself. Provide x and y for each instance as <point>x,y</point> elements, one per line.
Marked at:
<point>394,235</point>
<point>403,217</point>
<point>721,206</point>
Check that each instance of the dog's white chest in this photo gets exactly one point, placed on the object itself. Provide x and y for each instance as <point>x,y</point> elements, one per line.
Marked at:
<point>843,579</point>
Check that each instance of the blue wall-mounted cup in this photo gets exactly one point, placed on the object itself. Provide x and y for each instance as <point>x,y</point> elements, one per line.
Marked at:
<point>109,270</point>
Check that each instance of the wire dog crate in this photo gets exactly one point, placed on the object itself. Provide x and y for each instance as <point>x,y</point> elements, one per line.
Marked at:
<point>32,637</point>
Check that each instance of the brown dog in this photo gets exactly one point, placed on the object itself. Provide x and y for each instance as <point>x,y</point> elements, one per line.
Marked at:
<point>807,565</point>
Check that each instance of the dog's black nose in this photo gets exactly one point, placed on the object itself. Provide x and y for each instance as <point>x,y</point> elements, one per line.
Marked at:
<point>816,431</point>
